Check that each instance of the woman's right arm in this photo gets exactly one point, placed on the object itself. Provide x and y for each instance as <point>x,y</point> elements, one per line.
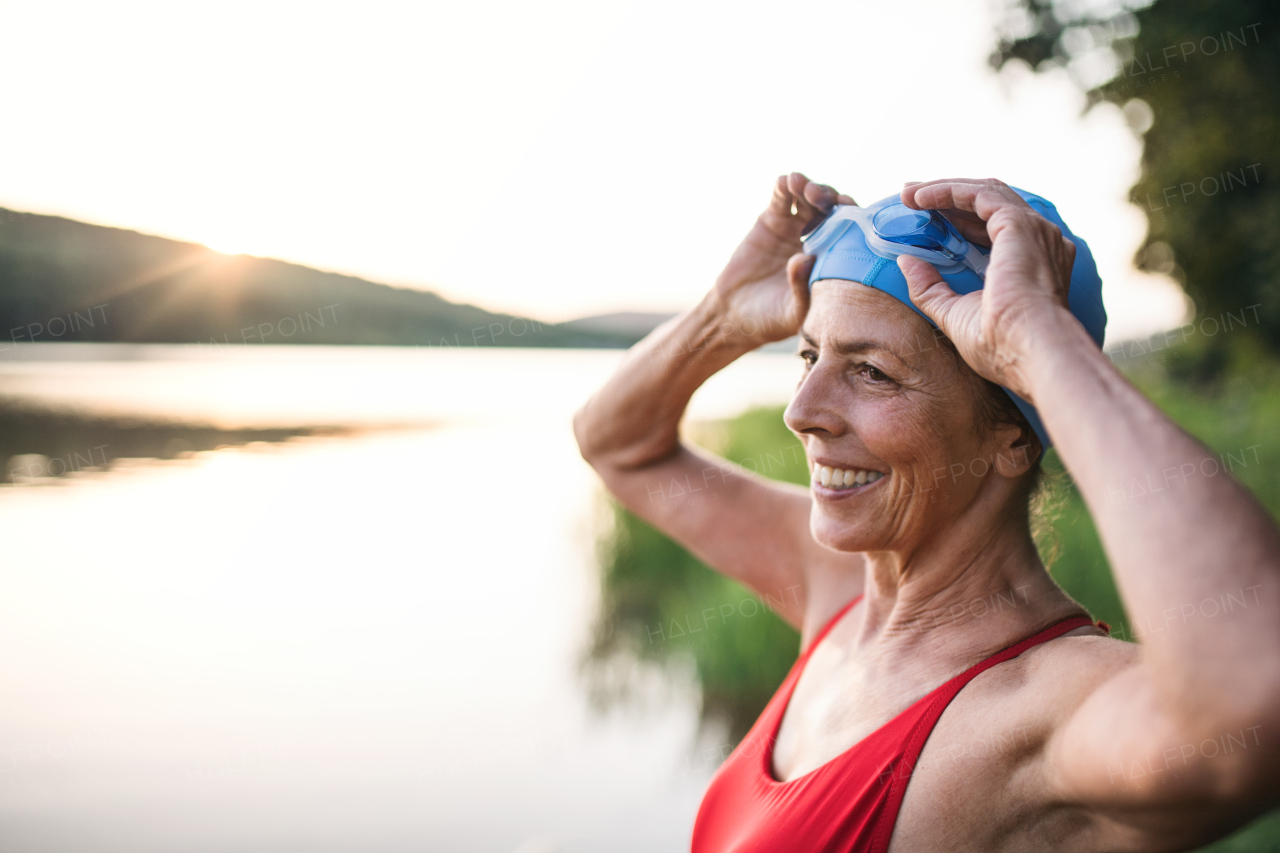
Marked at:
<point>743,525</point>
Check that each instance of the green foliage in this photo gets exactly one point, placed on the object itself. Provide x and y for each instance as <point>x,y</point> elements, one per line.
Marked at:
<point>1261,836</point>
<point>1209,71</point>
<point>62,280</point>
<point>1079,564</point>
<point>1236,419</point>
<point>663,607</point>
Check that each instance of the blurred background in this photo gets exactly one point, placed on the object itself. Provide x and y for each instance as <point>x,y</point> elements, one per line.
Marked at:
<point>286,288</point>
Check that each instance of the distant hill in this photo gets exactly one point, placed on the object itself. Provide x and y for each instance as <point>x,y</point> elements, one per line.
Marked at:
<point>62,280</point>
<point>632,323</point>
<point>636,324</point>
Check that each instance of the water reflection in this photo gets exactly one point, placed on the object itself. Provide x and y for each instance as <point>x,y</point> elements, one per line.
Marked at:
<point>41,445</point>
<point>664,612</point>
<point>347,643</point>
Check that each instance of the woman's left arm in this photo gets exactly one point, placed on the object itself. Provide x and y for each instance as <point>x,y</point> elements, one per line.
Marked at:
<point>1190,734</point>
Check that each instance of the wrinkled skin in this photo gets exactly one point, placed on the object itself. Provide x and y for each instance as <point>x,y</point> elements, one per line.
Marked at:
<point>906,407</point>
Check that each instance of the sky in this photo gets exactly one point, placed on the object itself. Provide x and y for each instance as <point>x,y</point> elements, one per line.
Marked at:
<point>556,159</point>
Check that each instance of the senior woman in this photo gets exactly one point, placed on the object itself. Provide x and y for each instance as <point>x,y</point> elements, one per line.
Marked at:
<point>1016,727</point>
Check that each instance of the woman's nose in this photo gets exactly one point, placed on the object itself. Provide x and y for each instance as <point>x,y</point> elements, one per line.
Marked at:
<point>813,409</point>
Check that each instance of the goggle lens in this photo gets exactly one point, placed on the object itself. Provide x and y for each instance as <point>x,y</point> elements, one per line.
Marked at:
<point>926,229</point>
<point>898,220</point>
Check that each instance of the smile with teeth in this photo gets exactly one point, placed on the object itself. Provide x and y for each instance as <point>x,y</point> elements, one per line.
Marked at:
<point>843,478</point>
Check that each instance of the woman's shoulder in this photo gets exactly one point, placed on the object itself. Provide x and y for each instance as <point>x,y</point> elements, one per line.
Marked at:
<point>1009,714</point>
<point>1049,681</point>
<point>1087,652</point>
<point>1078,658</point>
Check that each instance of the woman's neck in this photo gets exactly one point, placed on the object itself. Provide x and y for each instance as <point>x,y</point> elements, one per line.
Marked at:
<point>961,592</point>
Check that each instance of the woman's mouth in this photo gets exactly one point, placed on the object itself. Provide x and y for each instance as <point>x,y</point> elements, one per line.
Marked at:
<point>842,479</point>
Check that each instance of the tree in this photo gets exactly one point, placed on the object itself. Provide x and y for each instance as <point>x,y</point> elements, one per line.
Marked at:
<point>1200,79</point>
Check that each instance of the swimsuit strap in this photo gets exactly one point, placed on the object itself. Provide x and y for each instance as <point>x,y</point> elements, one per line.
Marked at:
<point>926,713</point>
<point>944,694</point>
<point>1055,630</point>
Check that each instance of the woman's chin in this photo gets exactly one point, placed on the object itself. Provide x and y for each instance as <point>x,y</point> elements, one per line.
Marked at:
<point>840,535</point>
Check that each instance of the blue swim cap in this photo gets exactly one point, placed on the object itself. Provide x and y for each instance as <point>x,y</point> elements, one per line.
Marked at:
<point>844,254</point>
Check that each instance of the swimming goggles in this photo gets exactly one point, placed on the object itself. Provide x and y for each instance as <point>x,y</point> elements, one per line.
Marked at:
<point>894,229</point>
<point>862,245</point>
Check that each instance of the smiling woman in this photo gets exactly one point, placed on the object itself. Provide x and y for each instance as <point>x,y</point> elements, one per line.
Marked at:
<point>992,407</point>
<point>922,470</point>
<point>918,413</point>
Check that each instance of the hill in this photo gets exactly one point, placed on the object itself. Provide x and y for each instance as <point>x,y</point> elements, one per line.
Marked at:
<point>62,280</point>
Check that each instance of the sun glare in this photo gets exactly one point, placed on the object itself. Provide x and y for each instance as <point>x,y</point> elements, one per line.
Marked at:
<point>222,248</point>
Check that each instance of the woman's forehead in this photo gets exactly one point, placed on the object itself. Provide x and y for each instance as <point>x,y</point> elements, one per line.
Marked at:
<point>843,311</point>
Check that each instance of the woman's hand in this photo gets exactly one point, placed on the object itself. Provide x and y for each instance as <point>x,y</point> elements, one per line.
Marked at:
<point>1027,279</point>
<point>764,289</point>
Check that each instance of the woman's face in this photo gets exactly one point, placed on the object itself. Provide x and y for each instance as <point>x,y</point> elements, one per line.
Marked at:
<point>880,394</point>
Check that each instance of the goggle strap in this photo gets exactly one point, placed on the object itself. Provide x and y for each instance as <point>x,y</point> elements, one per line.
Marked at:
<point>975,260</point>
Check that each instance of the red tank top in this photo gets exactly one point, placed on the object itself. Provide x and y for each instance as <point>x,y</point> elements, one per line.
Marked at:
<point>848,804</point>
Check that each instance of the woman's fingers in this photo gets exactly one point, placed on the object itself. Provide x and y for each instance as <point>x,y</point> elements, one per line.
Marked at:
<point>963,196</point>
<point>797,201</point>
<point>824,196</point>
<point>781,201</point>
<point>820,198</point>
<point>974,230</point>
<point>929,291</point>
<point>941,196</point>
<point>955,213</point>
<point>789,196</point>
<point>984,198</point>
<point>810,197</point>
<point>910,188</point>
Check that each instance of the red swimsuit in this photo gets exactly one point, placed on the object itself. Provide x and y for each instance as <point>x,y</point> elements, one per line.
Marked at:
<point>848,804</point>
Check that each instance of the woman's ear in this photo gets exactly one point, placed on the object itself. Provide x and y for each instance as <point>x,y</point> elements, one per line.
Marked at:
<point>1017,449</point>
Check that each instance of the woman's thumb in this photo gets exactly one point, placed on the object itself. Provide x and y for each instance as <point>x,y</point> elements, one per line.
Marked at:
<point>929,291</point>
<point>798,268</point>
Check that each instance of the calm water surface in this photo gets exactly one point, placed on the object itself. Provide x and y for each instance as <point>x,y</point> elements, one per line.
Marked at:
<point>366,642</point>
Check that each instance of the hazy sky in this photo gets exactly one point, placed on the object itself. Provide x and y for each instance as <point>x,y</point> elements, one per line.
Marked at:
<point>557,158</point>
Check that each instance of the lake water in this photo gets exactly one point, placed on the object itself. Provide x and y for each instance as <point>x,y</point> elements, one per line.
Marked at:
<point>365,641</point>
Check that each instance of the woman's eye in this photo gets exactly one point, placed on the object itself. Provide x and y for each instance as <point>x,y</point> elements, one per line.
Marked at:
<point>809,357</point>
<point>874,373</point>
